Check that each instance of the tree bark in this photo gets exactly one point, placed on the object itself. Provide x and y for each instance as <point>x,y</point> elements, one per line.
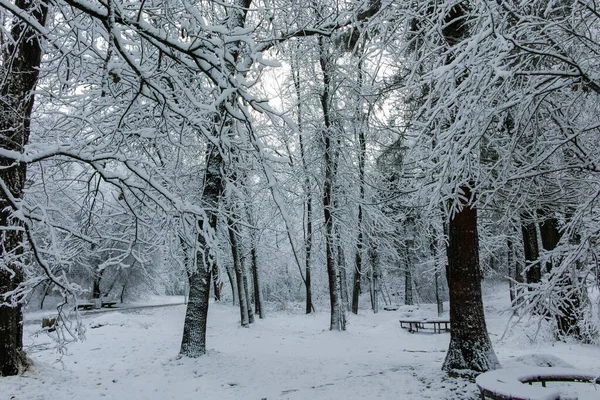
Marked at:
<point>338,318</point>
<point>193,342</point>
<point>533,271</point>
<point>470,346</point>
<point>237,267</point>
<point>307,194</point>
<point>22,59</point>
<point>258,300</point>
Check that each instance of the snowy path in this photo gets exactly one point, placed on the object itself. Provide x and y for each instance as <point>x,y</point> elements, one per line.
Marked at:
<point>133,356</point>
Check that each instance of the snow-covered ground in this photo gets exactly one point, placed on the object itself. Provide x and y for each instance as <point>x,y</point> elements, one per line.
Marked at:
<point>131,354</point>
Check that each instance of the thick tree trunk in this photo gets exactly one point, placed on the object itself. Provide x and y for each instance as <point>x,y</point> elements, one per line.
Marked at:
<point>21,63</point>
<point>233,284</point>
<point>470,346</point>
<point>193,342</point>
<point>96,293</point>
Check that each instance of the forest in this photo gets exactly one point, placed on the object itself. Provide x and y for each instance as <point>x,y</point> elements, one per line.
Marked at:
<point>338,156</point>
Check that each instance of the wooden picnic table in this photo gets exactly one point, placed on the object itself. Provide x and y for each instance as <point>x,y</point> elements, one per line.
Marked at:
<point>414,324</point>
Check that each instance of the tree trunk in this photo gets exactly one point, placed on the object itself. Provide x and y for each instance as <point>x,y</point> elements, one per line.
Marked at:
<point>258,300</point>
<point>533,271</point>
<point>470,346</point>
<point>233,285</point>
<point>216,278</point>
<point>341,262</point>
<point>375,281</point>
<point>338,318</point>
<point>247,291</point>
<point>96,293</point>
<point>408,283</point>
<point>307,193</point>
<point>193,342</point>
<point>237,267</point>
<point>436,276</point>
<point>571,299</point>
<point>21,62</point>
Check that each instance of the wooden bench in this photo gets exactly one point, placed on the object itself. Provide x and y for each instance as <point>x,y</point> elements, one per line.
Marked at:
<point>414,324</point>
<point>390,308</point>
<point>508,384</point>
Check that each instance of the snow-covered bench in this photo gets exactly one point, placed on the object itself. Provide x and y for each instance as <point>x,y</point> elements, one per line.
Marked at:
<point>508,384</point>
<point>414,324</point>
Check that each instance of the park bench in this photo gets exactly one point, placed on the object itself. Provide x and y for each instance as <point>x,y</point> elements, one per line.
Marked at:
<point>414,324</point>
<point>508,384</point>
<point>84,305</point>
<point>91,305</point>
<point>108,303</point>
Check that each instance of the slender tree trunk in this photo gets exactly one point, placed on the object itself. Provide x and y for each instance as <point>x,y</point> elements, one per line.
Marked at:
<point>408,283</point>
<point>237,267</point>
<point>216,279</point>
<point>21,62</point>
<point>375,281</point>
<point>436,276</point>
<point>258,300</point>
<point>533,271</point>
<point>362,144</point>
<point>338,318</point>
<point>567,320</point>
<point>470,346</point>
<point>307,194</point>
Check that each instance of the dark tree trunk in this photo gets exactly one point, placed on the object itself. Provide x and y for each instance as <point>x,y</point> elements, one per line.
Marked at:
<point>193,342</point>
<point>357,266</point>
<point>233,240</point>
<point>338,318</point>
<point>22,60</point>
<point>533,271</point>
<point>258,302</point>
<point>375,282</point>
<point>216,278</point>
<point>307,194</point>
<point>408,283</point>
<point>96,293</point>
<point>470,346</point>
<point>567,320</point>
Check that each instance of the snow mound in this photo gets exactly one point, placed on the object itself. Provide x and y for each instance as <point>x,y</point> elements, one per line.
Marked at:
<point>542,360</point>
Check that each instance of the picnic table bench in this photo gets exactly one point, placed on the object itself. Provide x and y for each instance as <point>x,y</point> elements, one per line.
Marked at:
<point>414,324</point>
<point>91,305</point>
<point>508,384</point>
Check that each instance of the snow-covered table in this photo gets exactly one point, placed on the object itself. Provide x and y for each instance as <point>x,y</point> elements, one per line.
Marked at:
<point>414,324</point>
<point>508,384</point>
